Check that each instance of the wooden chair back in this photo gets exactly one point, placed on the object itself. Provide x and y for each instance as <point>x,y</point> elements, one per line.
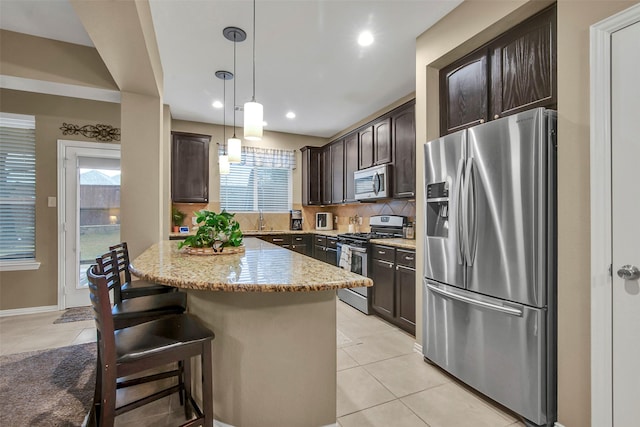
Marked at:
<point>107,265</point>
<point>99,295</point>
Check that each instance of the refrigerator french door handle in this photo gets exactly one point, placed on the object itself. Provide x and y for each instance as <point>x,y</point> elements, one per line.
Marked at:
<point>501,308</point>
<point>459,213</point>
<point>471,231</point>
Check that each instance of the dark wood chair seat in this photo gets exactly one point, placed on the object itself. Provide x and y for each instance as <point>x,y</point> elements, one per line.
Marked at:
<point>133,311</point>
<point>138,310</point>
<point>151,345</point>
<point>134,288</point>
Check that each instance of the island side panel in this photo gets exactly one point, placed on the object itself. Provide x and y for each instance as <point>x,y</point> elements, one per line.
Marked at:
<point>274,356</point>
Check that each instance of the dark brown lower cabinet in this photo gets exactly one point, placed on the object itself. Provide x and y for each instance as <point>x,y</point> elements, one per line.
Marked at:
<point>383,284</point>
<point>394,286</point>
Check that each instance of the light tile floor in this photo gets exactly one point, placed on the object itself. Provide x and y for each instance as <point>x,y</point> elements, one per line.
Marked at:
<point>382,381</point>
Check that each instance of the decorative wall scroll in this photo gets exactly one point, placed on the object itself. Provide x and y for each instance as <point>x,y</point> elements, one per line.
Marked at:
<point>100,132</point>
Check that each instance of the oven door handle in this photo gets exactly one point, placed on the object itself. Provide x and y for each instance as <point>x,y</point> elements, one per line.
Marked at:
<point>356,249</point>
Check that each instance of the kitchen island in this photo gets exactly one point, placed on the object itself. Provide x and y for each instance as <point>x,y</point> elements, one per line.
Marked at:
<point>274,315</point>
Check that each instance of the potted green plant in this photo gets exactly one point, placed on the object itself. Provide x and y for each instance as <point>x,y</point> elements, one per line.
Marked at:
<point>177,216</point>
<point>215,233</point>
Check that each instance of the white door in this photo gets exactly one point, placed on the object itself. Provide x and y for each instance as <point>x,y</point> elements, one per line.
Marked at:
<point>625,216</point>
<point>89,212</point>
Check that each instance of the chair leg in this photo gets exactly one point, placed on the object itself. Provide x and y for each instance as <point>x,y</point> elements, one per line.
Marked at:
<point>181,381</point>
<point>108,399</point>
<point>94,413</point>
<point>186,367</point>
<point>207,384</point>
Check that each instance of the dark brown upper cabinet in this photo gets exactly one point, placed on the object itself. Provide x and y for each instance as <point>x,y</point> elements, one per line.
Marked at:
<point>311,176</point>
<point>337,171</point>
<point>404,148</point>
<point>523,66</point>
<point>350,166</point>
<point>375,144</point>
<point>326,175</point>
<point>464,87</point>
<point>512,73</point>
<point>382,141</point>
<point>365,147</point>
<point>189,168</point>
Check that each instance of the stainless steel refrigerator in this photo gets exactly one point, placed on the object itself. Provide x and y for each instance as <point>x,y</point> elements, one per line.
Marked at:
<point>490,260</point>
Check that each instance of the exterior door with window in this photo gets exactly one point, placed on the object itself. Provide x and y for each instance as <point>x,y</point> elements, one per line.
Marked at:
<point>89,212</point>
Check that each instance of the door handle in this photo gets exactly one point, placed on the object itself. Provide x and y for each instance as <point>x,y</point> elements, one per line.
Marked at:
<point>629,272</point>
<point>459,182</point>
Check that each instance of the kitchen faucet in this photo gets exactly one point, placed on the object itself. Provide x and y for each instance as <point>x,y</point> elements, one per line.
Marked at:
<point>260,221</point>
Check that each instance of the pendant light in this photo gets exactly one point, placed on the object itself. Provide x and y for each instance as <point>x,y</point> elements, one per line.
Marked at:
<point>234,34</point>
<point>223,160</point>
<point>253,111</point>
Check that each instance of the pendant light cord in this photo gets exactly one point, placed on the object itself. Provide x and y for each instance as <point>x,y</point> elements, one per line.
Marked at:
<point>234,85</point>
<point>224,115</point>
<point>253,97</point>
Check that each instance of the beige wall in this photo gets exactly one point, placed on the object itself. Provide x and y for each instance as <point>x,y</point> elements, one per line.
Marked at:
<point>469,26</point>
<point>270,139</point>
<point>19,289</point>
<point>49,60</point>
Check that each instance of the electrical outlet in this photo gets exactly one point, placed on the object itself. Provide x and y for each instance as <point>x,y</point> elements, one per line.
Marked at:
<point>194,220</point>
<point>51,202</point>
<point>335,219</point>
<point>359,220</point>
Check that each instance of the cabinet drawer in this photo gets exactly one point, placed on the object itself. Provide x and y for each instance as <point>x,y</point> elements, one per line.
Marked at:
<point>278,239</point>
<point>320,240</point>
<point>298,239</point>
<point>385,253</point>
<point>406,258</point>
<point>332,242</point>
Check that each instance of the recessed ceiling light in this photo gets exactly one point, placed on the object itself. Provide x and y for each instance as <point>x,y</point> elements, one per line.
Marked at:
<point>291,115</point>
<point>365,38</point>
<point>217,104</point>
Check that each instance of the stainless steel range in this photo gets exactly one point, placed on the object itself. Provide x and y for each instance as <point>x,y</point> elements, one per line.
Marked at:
<point>352,256</point>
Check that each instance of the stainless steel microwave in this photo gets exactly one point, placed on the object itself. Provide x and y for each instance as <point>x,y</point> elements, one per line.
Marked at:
<point>372,183</point>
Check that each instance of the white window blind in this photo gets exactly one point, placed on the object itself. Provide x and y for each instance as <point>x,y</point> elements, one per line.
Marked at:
<point>262,181</point>
<point>17,187</point>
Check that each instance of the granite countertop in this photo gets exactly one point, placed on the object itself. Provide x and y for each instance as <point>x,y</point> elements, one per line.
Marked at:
<point>398,243</point>
<point>269,232</point>
<point>263,267</point>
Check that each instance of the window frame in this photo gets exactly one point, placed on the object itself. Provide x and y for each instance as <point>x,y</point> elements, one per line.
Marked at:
<point>25,122</point>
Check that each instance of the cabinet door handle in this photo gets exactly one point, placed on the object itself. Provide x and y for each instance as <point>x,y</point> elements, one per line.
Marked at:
<point>481,120</point>
<point>398,267</point>
<point>381,252</point>
<point>277,240</point>
<point>386,263</point>
<point>408,258</point>
<point>497,116</point>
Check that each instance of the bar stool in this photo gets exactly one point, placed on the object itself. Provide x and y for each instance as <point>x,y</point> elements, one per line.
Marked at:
<point>135,288</point>
<point>146,346</point>
<point>133,311</point>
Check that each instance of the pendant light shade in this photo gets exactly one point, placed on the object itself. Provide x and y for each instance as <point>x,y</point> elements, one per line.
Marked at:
<point>234,149</point>
<point>253,117</point>
<point>253,121</point>
<point>223,164</point>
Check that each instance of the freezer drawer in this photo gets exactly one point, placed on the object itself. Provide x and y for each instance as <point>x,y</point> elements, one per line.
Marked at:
<point>496,347</point>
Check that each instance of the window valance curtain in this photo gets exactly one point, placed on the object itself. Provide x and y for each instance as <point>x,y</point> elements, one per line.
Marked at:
<point>267,157</point>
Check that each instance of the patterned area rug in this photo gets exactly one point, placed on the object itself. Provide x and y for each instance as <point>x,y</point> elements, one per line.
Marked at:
<point>75,314</point>
<point>47,387</point>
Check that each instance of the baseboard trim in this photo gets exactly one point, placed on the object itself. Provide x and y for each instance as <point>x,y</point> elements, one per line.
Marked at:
<point>28,310</point>
<point>217,423</point>
<point>417,347</point>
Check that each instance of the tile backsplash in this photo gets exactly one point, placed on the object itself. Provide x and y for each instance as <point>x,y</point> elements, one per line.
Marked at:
<point>280,221</point>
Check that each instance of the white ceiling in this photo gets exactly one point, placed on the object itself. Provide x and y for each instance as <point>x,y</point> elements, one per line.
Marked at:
<point>307,57</point>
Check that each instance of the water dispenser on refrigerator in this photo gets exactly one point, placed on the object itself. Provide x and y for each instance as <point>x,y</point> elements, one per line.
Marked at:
<point>438,209</point>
